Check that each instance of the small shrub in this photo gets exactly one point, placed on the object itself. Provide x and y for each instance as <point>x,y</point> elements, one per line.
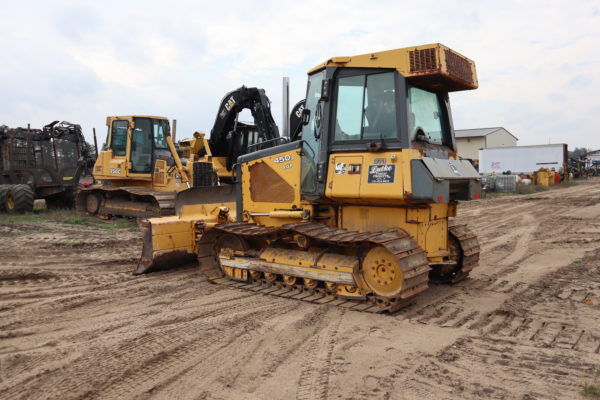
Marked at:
<point>591,391</point>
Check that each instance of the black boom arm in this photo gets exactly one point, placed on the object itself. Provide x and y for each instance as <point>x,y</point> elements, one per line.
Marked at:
<point>226,137</point>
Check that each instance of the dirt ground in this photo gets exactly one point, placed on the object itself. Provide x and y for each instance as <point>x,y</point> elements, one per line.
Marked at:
<point>74,323</point>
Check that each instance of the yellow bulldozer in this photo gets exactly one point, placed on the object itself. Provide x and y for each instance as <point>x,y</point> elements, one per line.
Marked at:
<point>141,171</point>
<point>357,210</point>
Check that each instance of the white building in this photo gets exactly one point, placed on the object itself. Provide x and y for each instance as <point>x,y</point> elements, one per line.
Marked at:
<point>593,156</point>
<point>470,141</point>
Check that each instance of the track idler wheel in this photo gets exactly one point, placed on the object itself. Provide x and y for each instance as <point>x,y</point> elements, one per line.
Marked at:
<point>382,273</point>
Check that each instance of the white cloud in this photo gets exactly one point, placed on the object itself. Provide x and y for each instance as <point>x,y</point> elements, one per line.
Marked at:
<point>82,61</point>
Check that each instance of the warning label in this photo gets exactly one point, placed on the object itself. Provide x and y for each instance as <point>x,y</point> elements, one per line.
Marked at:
<point>382,173</point>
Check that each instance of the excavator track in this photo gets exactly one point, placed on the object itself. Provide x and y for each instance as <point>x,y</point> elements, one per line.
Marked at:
<point>408,255</point>
<point>469,251</point>
<point>121,201</point>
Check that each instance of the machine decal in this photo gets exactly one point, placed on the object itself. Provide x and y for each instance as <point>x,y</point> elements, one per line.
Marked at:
<point>382,173</point>
<point>227,107</point>
<point>281,159</point>
<point>116,171</point>
<point>340,168</point>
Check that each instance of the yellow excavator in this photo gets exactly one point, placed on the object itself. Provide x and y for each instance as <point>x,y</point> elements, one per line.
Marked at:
<point>141,171</point>
<point>357,210</point>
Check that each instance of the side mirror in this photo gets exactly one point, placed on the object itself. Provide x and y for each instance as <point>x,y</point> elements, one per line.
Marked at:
<point>305,119</point>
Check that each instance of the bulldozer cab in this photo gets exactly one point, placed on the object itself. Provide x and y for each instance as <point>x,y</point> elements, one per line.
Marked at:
<point>136,142</point>
<point>377,130</point>
<point>355,107</point>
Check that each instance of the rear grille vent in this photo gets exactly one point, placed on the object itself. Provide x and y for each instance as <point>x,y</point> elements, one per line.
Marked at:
<point>203,174</point>
<point>458,67</point>
<point>422,60</point>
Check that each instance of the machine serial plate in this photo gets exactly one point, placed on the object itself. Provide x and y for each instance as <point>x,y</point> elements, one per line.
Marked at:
<point>385,173</point>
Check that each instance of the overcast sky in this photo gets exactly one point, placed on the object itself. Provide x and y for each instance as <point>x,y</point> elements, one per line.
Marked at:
<point>538,62</point>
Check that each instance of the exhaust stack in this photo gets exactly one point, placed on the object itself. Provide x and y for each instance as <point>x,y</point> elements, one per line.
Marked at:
<point>285,126</point>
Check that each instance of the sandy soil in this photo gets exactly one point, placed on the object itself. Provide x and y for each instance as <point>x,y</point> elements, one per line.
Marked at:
<point>75,324</point>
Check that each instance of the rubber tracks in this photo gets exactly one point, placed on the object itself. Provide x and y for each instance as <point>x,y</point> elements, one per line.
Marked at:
<point>469,246</point>
<point>410,257</point>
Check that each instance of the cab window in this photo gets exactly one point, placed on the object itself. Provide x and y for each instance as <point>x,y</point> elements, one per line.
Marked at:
<point>160,128</point>
<point>118,142</point>
<point>425,115</point>
<point>366,107</point>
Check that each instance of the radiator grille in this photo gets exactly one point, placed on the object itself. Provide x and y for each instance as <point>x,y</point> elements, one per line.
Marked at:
<point>422,60</point>
<point>458,67</point>
<point>203,174</point>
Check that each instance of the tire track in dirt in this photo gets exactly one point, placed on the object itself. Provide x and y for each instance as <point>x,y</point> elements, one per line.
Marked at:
<point>177,359</point>
<point>314,376</point>
<point>97,332</point>
<point>544,370</point>
<point>136,357</point>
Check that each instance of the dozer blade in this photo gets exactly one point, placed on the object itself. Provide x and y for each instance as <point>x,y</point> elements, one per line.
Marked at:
<point>171,241</point>
<point>168,242</point>
<point>204,195</point>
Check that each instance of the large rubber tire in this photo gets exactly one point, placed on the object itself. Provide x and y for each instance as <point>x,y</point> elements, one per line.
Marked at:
<point>3,194</point>
<point>19,199</point>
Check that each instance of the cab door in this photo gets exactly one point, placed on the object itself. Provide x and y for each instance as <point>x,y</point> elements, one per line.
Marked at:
<point>311,143</point>
<point>112,164</point>
<point>141,147</point>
